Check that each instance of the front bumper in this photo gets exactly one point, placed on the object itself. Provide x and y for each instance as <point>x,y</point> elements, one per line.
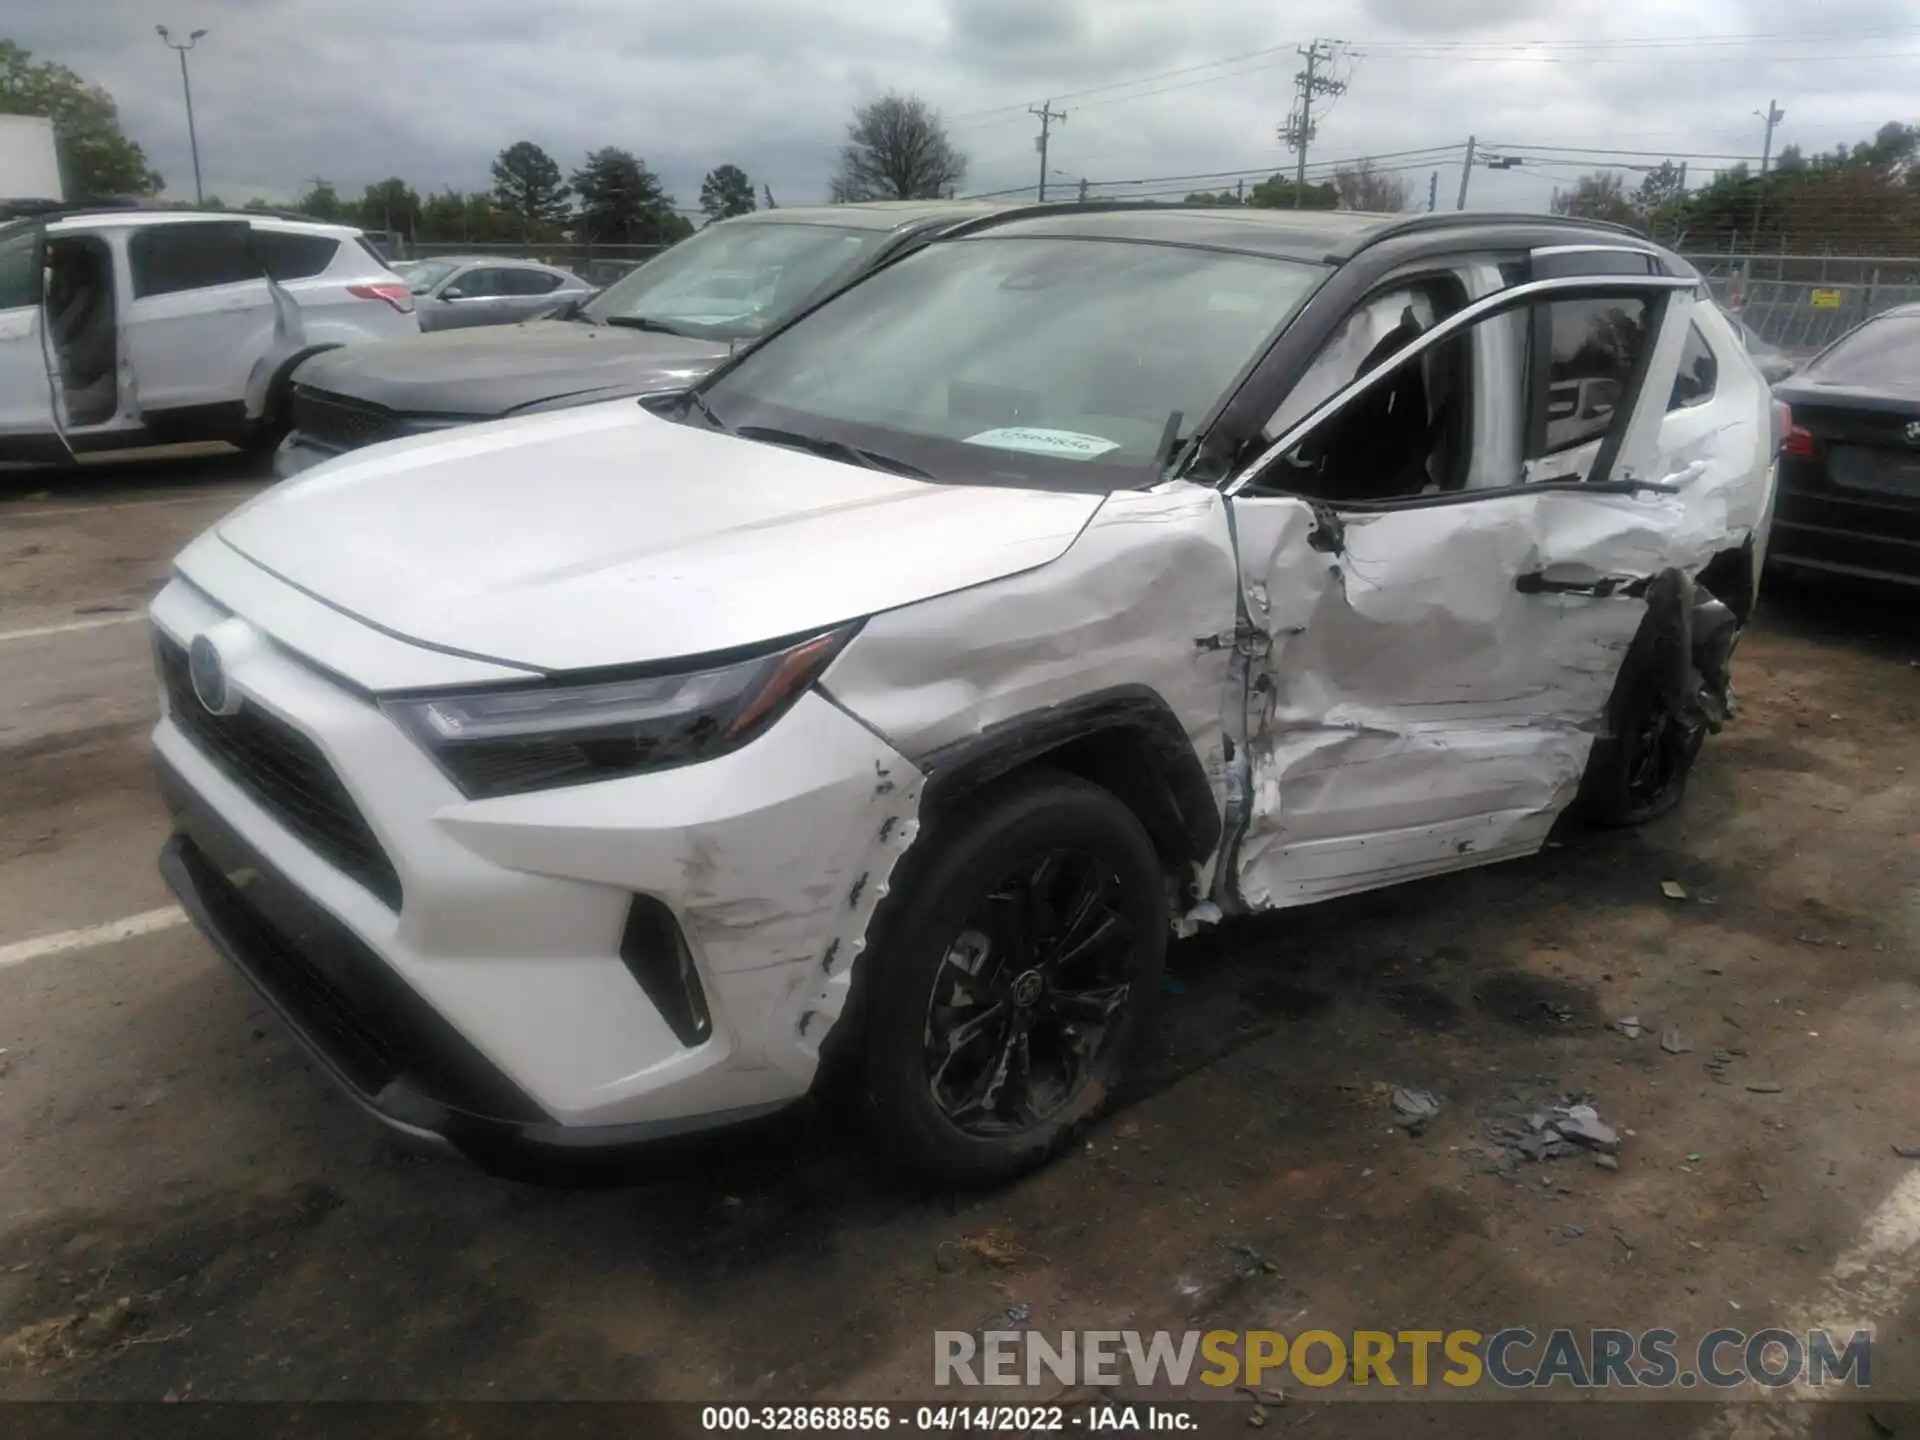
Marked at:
<point>486,1001</point>
<point>373,1035</point>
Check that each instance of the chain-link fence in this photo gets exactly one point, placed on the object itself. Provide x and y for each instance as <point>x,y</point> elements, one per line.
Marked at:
<point>1802,303</point>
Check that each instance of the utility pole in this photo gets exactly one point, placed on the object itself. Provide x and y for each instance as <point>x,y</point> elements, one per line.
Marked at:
<point>1083,189</point>
<point>1433,191</point>
<point>1240,191</point>
<point>1773,116</point>
<point>1466,173</point>
<point>1298,131</point>
<point>186,85</point>
<point>1047,115</point>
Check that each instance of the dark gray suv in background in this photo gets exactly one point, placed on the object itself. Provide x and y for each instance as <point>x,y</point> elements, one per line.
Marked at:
<point>660,328</point>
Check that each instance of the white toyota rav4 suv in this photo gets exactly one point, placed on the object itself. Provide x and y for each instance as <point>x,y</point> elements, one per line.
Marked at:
<point>121,328</point>
<point>887,701</point>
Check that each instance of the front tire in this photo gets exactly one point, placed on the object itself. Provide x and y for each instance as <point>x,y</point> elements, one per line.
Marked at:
<point>1638,771</point>
<point>1014,970</point>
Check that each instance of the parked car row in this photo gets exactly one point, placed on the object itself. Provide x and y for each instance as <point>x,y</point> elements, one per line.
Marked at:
<point>947,607</point>
<point>666,324</point>
<point>857,639</point>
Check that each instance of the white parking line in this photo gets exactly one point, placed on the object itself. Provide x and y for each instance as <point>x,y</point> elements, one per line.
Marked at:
<point>66,627</point>
<point>1864,1290</point>
<point>112,933</point>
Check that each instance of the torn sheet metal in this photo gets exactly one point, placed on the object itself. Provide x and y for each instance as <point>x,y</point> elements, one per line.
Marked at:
<point>1418,711</point>
<point>773,859</point>
<point>1144,597</point>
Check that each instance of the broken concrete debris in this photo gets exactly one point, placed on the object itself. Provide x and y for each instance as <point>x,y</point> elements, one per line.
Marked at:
<point>1629,1026</point>
<point>1568,1126</point>
<point>1673,890</point>
<point>1412,1109</point>
<point>1674,1041</point>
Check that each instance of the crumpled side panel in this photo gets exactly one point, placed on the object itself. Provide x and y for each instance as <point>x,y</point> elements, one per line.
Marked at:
<point>1144,597</point>
<point>1416,711</point>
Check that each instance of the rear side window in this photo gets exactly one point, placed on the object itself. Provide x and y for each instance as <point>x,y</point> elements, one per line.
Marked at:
<point>170,258</point>
<point>531,282</point>
<point>287,255</point>
<point>1699,371</point>
<point>1589,349</point>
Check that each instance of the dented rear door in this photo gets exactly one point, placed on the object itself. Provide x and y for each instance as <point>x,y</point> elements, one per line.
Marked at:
<point>1424,675</point>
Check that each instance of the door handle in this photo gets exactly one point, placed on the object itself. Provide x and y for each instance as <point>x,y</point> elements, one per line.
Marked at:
<point>1537,582</point>
<point>1686,474</point>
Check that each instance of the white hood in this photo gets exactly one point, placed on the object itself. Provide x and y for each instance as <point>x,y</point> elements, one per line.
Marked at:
<point>606,536</point>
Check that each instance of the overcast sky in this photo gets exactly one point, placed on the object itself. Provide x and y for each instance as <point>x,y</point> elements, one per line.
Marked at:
<point>355,90</point>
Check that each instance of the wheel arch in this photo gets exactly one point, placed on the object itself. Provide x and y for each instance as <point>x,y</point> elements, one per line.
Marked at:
<point>279,387</point>
<point>1127,740</point>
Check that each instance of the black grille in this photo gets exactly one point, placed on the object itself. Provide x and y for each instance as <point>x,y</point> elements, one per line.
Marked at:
<point>364,1055</point>
<point>339,424</point>
<point>285,773</point>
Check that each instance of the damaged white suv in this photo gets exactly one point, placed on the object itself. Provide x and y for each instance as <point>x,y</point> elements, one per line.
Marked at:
<point>892,697</point>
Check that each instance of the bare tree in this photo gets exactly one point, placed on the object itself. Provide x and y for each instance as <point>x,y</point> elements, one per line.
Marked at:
<point>1601,195</point>
<point>1362,187</point>
<point>897,149</point>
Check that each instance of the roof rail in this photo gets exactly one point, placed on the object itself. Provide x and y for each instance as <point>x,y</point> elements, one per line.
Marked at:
<point>1446,219</point>
<point>1059,207</point>
<point>47,210</point>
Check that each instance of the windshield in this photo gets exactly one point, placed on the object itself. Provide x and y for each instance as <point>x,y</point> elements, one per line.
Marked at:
<point>1015,360</point>
<point>1878,353</point>
<point>422,275</point>
<point>731,282</point>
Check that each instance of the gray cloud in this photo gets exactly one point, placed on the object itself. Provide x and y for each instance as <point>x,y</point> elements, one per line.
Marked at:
<point>358,89</point>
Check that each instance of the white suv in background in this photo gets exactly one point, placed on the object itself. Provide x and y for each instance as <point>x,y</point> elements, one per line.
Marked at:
<point>123,328</point>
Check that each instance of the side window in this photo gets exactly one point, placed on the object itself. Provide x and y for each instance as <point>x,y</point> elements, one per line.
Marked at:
<point>19,277</point>
<point>531,282</point>
<point>288,255</point>
<point>1410,433</point>
<point>1589,348</point>
<point>1699,370</point>
<point>170,258</point>
<point>480,283</point>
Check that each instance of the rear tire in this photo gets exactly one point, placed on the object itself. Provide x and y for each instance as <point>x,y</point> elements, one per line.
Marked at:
<point>1015,968</point>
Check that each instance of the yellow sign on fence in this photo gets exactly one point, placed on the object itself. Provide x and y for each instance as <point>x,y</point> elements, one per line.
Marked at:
<point>1825,299</point>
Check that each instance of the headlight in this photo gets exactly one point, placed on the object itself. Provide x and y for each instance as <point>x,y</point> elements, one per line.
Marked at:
<point>536,737</point>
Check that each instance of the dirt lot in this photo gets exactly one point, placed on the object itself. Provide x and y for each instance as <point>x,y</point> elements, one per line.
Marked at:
<point>187,1210</point>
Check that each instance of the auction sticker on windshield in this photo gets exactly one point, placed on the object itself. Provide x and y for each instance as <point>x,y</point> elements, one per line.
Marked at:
<point>1065,443</point>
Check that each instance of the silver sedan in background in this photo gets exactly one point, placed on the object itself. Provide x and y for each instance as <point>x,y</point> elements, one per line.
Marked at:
<point>455,291</point>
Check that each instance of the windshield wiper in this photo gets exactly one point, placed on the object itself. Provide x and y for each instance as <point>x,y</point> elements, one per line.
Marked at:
<point>646,322</point>
<point>832,450</point>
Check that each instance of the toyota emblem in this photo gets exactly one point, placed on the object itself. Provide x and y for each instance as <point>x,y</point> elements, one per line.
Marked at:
<point>1913,432</point>
<point>209,677</point>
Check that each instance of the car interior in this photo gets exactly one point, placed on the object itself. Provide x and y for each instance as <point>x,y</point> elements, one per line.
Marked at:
<point>1411,433</point>
<point>81,326</point>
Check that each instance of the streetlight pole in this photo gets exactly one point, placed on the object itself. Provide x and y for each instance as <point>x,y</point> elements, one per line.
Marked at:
<point>186,86</point>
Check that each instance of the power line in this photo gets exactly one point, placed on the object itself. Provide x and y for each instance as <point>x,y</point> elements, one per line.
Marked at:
<point>1462,49</point>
